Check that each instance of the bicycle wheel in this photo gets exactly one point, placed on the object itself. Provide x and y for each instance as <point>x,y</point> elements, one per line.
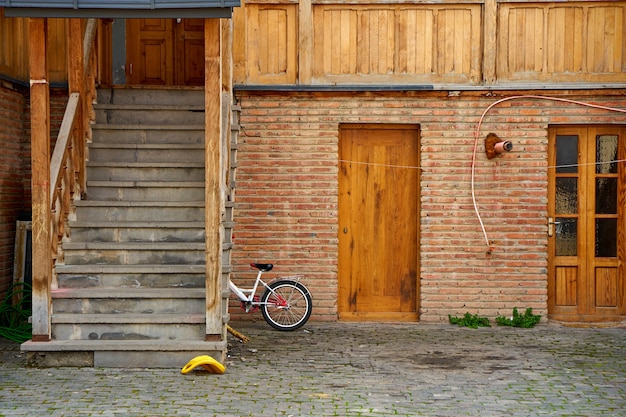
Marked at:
<point>286,305</point>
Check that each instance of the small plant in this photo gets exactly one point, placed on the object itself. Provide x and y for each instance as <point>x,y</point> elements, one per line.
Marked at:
<point>471,321</point>
<point>527,320</point>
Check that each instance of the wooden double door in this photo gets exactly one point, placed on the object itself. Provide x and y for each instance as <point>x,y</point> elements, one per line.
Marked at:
<point>165,52</point>
<point>587,224</point>
<point>378,222</point>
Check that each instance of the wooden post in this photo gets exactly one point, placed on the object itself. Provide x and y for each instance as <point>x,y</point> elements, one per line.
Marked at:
<point>40,161</point>
<point>76,83</point>
<point>490,29</point>
<point>214,200</point>
<point>305,36</point>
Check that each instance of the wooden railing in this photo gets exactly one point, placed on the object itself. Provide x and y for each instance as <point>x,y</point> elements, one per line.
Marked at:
<point>67,163</point>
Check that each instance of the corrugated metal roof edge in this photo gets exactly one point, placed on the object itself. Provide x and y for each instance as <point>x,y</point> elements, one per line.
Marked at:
<point>209,12</point>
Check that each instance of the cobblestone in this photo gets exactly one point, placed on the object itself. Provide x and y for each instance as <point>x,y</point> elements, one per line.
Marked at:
<point>349,369</point>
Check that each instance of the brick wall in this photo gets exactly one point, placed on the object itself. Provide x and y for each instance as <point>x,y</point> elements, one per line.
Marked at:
<point>287,202</point>
<point>15,172</point>
<point>13,178</point>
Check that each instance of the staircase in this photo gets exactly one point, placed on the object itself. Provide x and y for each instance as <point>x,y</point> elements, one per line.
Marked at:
<point>131,281</point>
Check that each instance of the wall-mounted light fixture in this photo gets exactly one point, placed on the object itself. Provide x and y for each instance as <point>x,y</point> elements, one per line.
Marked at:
<point>495,146</point>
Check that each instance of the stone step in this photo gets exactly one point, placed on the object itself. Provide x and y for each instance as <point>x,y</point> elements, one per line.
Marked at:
<point>124,353</point>
<point>132,114</point>
<point>147,276</point>
<point>140,231</point>
<point>150,301</point>
<point>163,211</point>
<point>140,152</point>
<point>127,327</point>
<point>153,96</point>
<point>145,171</point>
<point>131,253</point>
<point>145,190</point>
<point>182,134</point>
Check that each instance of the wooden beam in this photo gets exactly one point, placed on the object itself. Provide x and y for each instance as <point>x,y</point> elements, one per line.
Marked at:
<point>305,39</point>
<point>214,200</point>
<point>40,161</point>
<point>490,36</point>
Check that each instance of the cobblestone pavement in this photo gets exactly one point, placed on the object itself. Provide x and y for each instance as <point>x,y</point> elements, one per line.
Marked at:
<point>342,369</point>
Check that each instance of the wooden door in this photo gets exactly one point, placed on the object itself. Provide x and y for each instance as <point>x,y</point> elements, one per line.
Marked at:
<point>586,224</point>
<point>378,222</point>
<point>165,52</point>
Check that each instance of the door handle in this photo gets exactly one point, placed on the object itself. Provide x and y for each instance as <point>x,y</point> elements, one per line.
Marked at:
<point>551,224</point>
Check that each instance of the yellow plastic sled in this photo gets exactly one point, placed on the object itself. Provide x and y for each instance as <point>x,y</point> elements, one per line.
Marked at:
<point>206,362</point>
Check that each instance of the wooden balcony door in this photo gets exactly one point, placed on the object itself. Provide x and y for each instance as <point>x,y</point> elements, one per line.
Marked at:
<point>586,224</point>
<point>378,222</point>
<point>165,52</point>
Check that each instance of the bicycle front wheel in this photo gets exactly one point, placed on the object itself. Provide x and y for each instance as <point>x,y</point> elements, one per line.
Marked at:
<point>286,305</point>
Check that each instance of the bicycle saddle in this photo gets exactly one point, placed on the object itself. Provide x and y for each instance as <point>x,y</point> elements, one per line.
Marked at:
<point>262,267</point>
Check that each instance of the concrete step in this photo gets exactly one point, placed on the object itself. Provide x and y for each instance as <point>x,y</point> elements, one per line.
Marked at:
<point>145,171</point>
<point>120,301</point>
<point>146,327</point>
<point>131,114</point>
<point>148,276</point>
<point>140,231</point>
<point>123,353</point>
<point>163,211</point>
<point>130,253</point>
<point>154,96</point>
<point>145,190</point>
<point>157,133</point>
<point>152,152</point>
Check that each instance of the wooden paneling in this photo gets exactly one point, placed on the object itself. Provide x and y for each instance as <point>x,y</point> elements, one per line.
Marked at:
<point>606,287</point>
<point>575,42</point>
<point>397,43</point>
<point>439,42</point>
<point>566,288</point>
<point>271,43</point>
<point>14,48</point>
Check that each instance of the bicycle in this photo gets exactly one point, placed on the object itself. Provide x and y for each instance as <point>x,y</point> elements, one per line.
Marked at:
<point>286,303</point>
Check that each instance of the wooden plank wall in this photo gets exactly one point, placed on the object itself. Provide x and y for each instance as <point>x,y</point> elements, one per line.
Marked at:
<point>14,48</point>
<point>435,42</point>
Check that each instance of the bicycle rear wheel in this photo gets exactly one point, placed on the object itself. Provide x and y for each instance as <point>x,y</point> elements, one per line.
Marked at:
<point>286,305</point>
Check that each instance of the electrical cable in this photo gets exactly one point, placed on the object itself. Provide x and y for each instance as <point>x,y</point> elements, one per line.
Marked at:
<point>477,133</point>
<point>14,323</point>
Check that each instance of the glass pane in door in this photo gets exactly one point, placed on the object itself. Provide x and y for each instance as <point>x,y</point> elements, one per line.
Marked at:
<point>566,237</point>
<point>566,154</point>
<point>606,238</point>
<point>606,154</point>
<point>566,199</point>
<point>606,195</point>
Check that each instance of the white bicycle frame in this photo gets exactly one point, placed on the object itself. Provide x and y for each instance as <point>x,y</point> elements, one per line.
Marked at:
<point>241,292</point>
<point>247,295</point>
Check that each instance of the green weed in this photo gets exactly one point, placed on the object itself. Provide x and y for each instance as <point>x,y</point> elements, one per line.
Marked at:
<point>526,320</point>
<point>471,321</point>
